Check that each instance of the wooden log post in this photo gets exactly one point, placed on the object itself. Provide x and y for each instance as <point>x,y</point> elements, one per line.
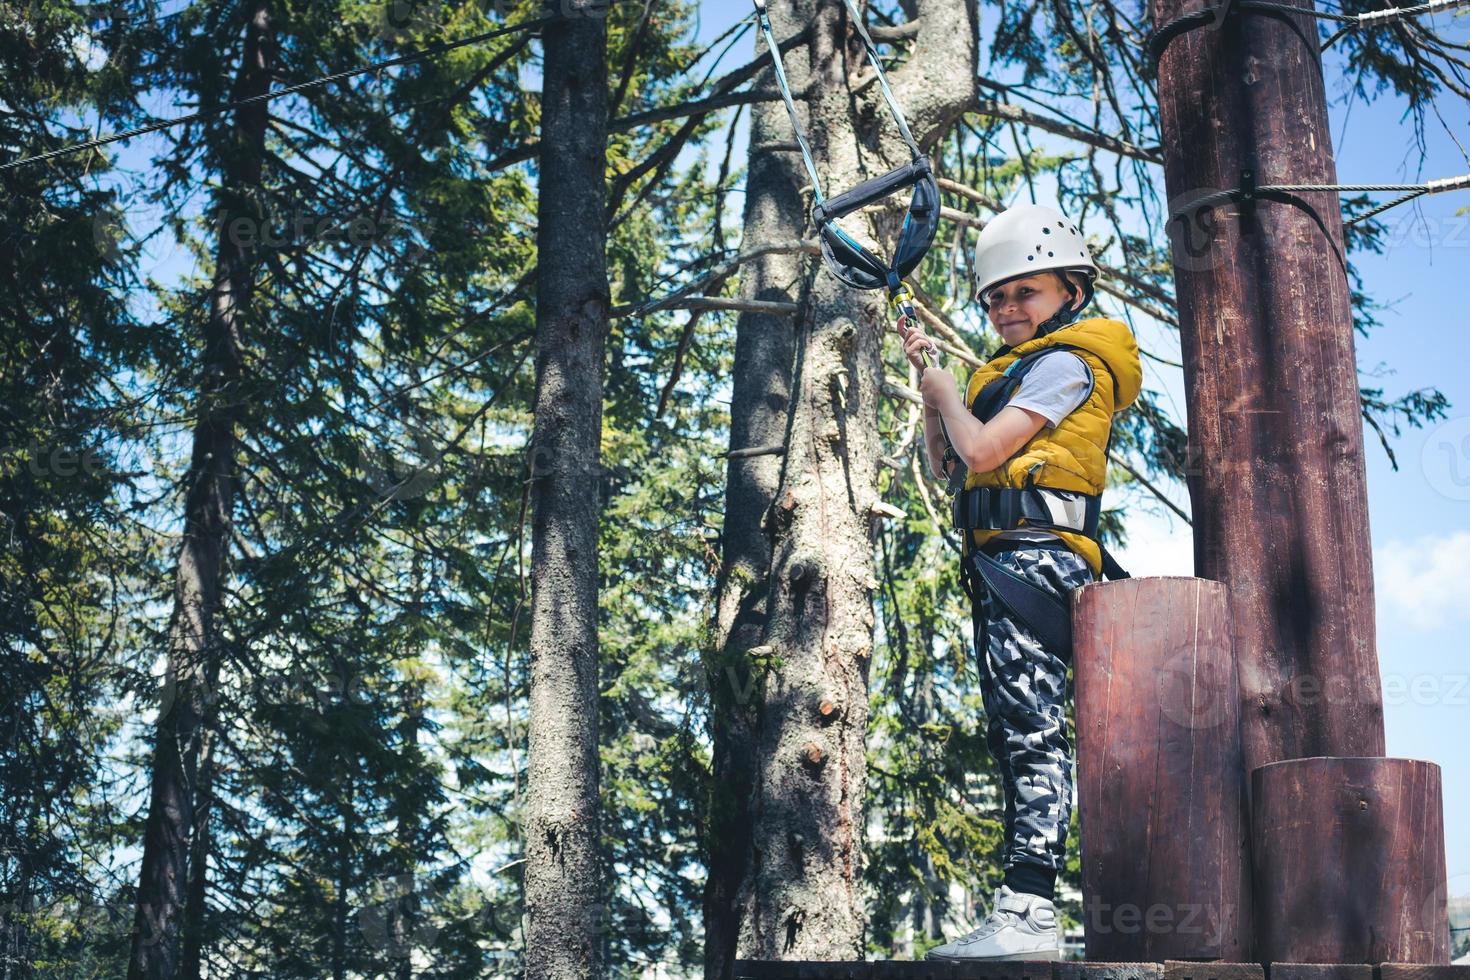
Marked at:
<point>1349,861</point>
<point>1165,870</point>
<point>1275,470</point>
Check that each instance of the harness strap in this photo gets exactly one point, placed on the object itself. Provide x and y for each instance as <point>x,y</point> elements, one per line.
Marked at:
<point>874,189</point>
<point>1034,607</point>
<point>1043,508</point>
<point>862,29</point>
<point>763,18</point>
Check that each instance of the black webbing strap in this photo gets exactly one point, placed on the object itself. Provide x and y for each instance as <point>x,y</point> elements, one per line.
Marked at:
<point>871,190</point>
<point>1039,610</point>
<point>1002,508</point>
<point>1046,615</point>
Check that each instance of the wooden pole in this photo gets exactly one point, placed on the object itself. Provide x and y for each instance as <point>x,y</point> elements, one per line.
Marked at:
<point>1276,473</point>
<point>1160,788</point>
<point>1349,862</point>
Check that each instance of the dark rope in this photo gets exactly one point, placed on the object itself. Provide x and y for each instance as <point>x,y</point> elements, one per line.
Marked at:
<point>1160,37</point>
<point>1248,194</point>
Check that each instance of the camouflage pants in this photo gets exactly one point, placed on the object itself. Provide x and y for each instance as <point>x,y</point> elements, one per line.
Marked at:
<point>1024,688</point>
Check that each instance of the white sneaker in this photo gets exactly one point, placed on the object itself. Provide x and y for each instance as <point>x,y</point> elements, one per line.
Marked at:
<point>1020,927</point>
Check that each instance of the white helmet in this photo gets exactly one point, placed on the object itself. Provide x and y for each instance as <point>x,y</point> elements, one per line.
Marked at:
<point>1026,239</point>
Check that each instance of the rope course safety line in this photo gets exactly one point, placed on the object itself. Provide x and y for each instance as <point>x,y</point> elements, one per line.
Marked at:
<point>846,259</point>
<point>1159,38</point>
<point>406,59</point>
<point>1250,191</point>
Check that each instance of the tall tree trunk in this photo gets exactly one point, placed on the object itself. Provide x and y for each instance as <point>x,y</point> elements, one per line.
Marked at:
<point>346,810</point>
<point>194,900</point>
<point>1276,477</point>
<point>210,484</point>
<point>564,916</point>
<point>759,406</point>
<point>409,910</point>
<point>802,894</point>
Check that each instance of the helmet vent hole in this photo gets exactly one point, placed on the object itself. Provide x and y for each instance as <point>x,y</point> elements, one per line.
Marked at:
<point>1030,258</point>
<point>1046,231</point>
<point>1050,254</point>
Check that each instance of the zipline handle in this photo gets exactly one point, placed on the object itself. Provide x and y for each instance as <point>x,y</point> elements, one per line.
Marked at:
<point>901,300</point>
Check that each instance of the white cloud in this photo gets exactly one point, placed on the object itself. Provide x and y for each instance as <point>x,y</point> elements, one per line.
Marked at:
<point>1426,581</point>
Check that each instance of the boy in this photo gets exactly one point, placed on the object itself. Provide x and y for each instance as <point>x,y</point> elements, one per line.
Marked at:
<point>1043,443</point>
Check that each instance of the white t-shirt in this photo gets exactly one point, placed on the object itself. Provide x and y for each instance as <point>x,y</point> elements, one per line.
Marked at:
<point>1055,385</point>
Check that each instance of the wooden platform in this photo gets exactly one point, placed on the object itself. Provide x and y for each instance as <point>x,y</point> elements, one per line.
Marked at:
<point>1082,970</point>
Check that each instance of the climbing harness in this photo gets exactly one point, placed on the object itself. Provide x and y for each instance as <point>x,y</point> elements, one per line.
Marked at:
<point>1042,508</point>
<point>845,258</point>
<point>1004,509</point>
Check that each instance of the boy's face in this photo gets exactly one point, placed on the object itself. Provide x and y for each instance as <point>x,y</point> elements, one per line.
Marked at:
<point>1018,307</point>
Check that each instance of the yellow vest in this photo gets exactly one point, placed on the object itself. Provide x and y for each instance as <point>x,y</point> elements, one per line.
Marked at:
<point>1073,456</point>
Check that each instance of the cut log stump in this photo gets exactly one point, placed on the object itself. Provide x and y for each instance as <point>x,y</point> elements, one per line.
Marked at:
<point>1160,782</point>
<point>1349,861</point>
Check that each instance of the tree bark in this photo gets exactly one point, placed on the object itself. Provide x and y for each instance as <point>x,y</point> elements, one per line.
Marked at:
<point>802,892</point>
<point>1276,473</point>
<point>191,967</point>
<point>564,914</point>
<point>174,815</point>
<point>759,406</point>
